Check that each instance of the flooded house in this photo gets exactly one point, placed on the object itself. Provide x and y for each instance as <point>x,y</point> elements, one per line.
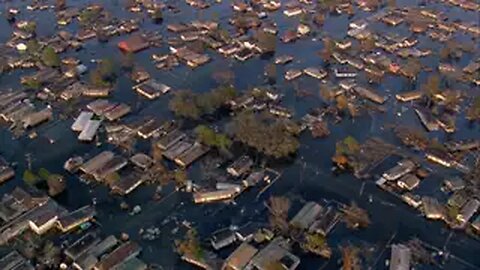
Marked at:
<point>170,139</point>
<point>74,219</point>
<point>82,121</point>
<point>96,92</point>
<point>427,119</point>
<point>14,261</point>
<point>149,129</point>
<point>307,215</point>
<point>97,162</point>
<point>36,118</point>
<point>400,258</point>
<point>121,254</point>
<point>292,74</point>
<point>468,210</point>
<point>370,94</point>
<point>89,131</point>
<point>408,182</point>
<point>6,172</point>
<point>127,184</point>
<point>440,157</point>
<point>212,196</point>
<point>191,155</point>
<point>81,246</point>
<point>44,218</point>
<point>402,168</point>
<point>142,161</point>
<point>409,96</point>
<point>454,184</point>
<point>254,178</point>
<point>316,73</point>
<point>241,166</point>
<point>222,238</point>
<point>117,112</point>
<point>432,208</point>
<point>293,11</point>
<point>283,59</point>
<point>275,251</point>
<point>177,149</point>
<point>240,258</point>
<point>134,44</point>
<point>152,89</point>
<point>326,222</point>
<point>344,72</point>
<point>111,166</point>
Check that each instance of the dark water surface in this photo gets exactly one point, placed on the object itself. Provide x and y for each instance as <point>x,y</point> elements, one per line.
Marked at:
<point>308,177</point>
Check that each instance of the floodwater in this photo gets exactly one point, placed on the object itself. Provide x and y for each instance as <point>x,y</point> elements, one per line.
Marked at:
<point>306,178</point>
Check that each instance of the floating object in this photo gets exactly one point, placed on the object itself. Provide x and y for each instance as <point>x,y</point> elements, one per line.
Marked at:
<point>21,47</point>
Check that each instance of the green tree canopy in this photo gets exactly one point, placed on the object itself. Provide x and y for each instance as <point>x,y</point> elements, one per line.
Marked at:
<point>209,137</point>
<point>190,245</point>
<point>29,177</point>
<point>192,105</point>
<point>348,146</point>
<point>50,57</point>
<point>266,135</point>
<point>181,177</point>
<point>105,73</point>
<point>266,42</point>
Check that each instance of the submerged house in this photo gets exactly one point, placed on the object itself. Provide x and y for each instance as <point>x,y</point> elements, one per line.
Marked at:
<point>400,258</point>
<point>239,259</point>
<point>307,215</point>
<point>134,44</point>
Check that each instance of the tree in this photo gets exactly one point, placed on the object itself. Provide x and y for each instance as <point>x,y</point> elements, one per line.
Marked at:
<point>183,104</point>
<point>89,15</point>
<point>473,112</point>
<point>112,178</point>
<point>60,4</point>
<point>223,75</point>
<point>350,258</point>
<point>104,74</point>
<point>319,18</point>
<point>266,135</point>
<point>30,178</point>
<point>30,27</point>
<point>432,85</point>
<point>127,61</point>
<point>274,265</point>
<point>190,245</point>
<point>157,15</point>
<point>191,105</point>
<point>56,184</point>
<point>368,44</point>
<point>209,137</point>
<point>317,244</point>
<point>31,84</point>
<point>392,3</point>
<point>342,102</point>
<point>345,149</point>
<point>181,177</point>
<point>44,174</point>
<point>328,49</point>
<point>50,58</point>
<point>413,68</point>
<point>355,217</point>
<point>325,93</point>
<point>266,42</point>
<point>271,72</point>
<point>320,129</point>
<point>444,53</point>
<point>33,47</point>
